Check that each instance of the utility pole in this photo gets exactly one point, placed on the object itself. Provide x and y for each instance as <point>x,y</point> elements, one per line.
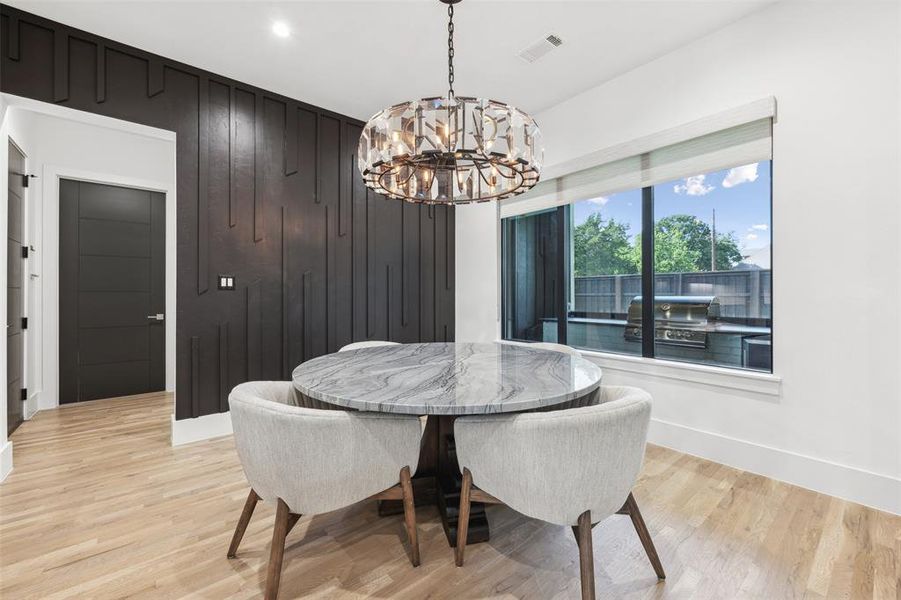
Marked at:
<point>713,242</point>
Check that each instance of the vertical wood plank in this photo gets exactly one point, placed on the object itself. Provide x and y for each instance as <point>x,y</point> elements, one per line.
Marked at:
<point>342,184</point>
<point>156,80</point>
<point>195,376</point>
<point>101,73</point>
<point>318,195</point>
<point>13,40</point>
<point>427,275</point>
<point>223,366</point>
<point>360,262</point>
<point>203,185</point>
<point>438,280</point>
<point>307,299</point>
<point>419,278</point>
<point>232,156</point>
<point>451,265</point>
<point>367,268</point>
<point>330,314</point>
<point>254,334</point>
<point>449,233</point>
<point>60,66</point>
<point>286,367</point>
<point>404,268</point>
<point>291,141</point>
<point>354,249</point>
<point>258,196</point>
<point>371,292</point>
<point>389,278</point>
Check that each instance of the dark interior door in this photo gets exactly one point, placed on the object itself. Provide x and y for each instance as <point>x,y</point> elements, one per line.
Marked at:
<point>15,339</point>
<point>112,278</point>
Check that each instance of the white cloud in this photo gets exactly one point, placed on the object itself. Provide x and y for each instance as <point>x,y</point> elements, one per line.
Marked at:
<point>600,200</point>
<point>739,175</point>
<point>761,227</point>
<point>751,237</point>
<point>693,186</point>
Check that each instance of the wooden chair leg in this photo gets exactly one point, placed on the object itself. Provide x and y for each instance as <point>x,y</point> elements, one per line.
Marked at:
<point>293,518</point>
<point>586,555</point>
<point>241,527</point>
<point>463,517</point>
<point>644,535</point>
<point>406,486</point>
<point>277,550</point>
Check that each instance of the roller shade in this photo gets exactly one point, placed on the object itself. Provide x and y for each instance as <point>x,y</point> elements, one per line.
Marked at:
<point>734,145</point>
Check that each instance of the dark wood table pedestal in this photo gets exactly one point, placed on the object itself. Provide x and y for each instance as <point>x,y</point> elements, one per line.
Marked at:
<point>437,481</point>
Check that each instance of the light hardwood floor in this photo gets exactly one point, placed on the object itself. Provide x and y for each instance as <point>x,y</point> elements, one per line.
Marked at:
<point>100,506</point>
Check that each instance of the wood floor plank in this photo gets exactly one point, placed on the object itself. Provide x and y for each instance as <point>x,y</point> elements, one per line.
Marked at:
<point>101,506</point>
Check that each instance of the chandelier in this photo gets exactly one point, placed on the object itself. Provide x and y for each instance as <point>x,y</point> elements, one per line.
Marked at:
<point>450,150</point>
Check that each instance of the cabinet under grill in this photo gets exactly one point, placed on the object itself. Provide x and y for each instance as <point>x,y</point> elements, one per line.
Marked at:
<point>678,320</point>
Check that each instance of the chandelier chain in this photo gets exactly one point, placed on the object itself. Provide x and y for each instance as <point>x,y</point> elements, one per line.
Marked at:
<point>450,51</point>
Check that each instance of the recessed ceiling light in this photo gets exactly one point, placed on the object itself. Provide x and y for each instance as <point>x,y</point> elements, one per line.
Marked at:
<point>281,29</point>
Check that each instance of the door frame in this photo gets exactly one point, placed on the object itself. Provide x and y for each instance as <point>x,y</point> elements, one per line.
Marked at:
<point>27,412</point>
<point>50,271</point>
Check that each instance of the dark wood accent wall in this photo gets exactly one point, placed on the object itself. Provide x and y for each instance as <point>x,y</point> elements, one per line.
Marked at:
<point>267,191</point>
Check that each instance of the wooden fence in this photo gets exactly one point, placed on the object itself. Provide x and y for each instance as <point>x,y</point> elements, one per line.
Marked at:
<point>742,294</point>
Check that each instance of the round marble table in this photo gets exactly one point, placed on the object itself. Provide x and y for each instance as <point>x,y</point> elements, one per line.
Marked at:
<point>445,380</point>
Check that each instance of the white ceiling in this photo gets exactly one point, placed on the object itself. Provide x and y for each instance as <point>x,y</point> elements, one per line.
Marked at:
<point>357,57</point>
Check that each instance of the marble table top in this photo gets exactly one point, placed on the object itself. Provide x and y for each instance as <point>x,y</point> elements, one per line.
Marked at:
<point>447,378</point>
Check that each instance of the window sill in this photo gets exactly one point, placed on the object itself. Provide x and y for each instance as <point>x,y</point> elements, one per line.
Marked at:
<point>734,379</point>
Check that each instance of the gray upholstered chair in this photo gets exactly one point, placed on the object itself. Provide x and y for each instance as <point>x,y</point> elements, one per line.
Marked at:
<point>311,461</point>
<point>366,344</point>
<point>570,467</point>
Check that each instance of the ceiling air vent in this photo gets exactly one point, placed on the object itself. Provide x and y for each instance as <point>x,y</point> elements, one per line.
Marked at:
<point>535,51</point>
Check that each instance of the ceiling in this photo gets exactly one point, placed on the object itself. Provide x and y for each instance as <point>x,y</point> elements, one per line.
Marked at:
<point>357,57</point>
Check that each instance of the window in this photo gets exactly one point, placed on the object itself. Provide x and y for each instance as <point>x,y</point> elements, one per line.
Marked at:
<point>532,274</point>
<point>712,244</point>
<point>688,224</point>
<point>606,250</point>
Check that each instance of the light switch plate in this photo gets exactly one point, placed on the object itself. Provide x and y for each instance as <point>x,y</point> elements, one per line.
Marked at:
<point>226,282</point>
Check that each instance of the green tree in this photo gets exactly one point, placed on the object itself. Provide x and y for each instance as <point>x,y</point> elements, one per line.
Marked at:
<point>681,244</point>
<point>672,252</point>
<point>681,238</point>
<point>602,248</point>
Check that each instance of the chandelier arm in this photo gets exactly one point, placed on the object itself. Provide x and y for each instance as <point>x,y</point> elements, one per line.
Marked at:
<point>500,172</point>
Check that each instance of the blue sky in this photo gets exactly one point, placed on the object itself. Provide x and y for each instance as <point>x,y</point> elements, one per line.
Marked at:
<point>741,197</point>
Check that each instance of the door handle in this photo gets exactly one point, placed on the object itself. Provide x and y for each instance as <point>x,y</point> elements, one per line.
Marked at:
<point>157,317</point>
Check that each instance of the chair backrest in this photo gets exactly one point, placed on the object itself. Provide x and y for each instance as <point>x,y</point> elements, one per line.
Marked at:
<point>556,465</point>
<point>317,460</point>
<point>555,348</point>
<point>367,344</point>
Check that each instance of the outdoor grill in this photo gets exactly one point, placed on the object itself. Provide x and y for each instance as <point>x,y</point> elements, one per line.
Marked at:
<point>679,320</point>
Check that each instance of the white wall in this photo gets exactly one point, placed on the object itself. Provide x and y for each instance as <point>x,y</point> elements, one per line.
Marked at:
<point>60,142</point>
<point>834,425</point>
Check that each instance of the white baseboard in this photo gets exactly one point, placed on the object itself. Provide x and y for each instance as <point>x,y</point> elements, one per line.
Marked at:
<point>185,431</point>
<point>32,405</point>
<point>878,491</point>
<point>6,460</point>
